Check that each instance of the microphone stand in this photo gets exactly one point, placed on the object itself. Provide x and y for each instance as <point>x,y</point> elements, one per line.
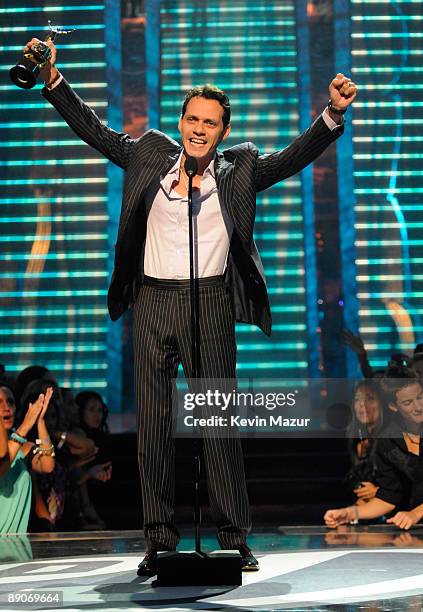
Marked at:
<point>191,168</point>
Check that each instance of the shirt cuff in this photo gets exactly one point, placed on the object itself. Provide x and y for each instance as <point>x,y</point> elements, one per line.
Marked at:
<point>56,83</point>
<point>328,120</point>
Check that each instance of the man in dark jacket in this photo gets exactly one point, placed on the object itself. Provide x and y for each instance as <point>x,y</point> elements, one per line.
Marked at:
<point>152,271</point>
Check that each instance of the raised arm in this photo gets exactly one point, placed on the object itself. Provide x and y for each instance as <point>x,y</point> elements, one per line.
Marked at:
<point>30,418</point>
<point>4,451</point>
<point>116,146</point>
<point>356,344</point>
<point>44,461</point>
<point>307,147</point>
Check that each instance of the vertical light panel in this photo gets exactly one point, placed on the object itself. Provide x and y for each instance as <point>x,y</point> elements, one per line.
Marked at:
<point>304,103</point>
<point>346,195</point>
<point>249,50</point>
<point>388,119</point>
<point>53,205</point>
<point>113,56</point>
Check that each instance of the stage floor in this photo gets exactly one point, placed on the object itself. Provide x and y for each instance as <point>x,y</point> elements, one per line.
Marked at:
<point>302,568</point>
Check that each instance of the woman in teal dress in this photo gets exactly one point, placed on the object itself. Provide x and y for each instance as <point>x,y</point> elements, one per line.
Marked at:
<point>21,455</point>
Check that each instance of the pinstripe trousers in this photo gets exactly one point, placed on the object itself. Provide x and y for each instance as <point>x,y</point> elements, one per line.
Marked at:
<point>162,340</point>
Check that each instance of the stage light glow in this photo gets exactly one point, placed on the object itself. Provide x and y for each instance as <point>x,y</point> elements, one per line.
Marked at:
<point>50,9</point>
<point>64,256</point>
<point>55,200</point>
<point>39,105</point>
<point>82,180</point>
<point>58,237</point>
<point>86,85</point>
<point>53,312</point>
<point>35,28</point>
<point>272,365</point>
<point>62,45</point>
<point>55,331</point>
<point>44,275</point>
<point>55,294</point>
<point>53,162</point>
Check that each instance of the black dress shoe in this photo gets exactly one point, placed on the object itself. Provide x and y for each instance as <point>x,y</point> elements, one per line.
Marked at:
<point>248,561</point>
<point>148,566</point>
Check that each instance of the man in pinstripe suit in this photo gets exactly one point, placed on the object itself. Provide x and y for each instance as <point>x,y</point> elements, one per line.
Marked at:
<point>152,271</point>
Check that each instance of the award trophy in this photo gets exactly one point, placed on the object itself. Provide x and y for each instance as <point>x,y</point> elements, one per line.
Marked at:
<point>25,73</point>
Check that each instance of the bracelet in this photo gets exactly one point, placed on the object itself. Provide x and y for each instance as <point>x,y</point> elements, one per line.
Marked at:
<point>17,438</point>
<point>355,521</point>
<point>333,108</point>
<point>62,440</point>
<point>47,452</point>
<point>43,441</point>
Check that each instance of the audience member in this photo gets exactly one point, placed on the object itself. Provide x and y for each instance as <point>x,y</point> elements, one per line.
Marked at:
<point>367,420</point>
<point>15,482</point>
<point>399,469</point>
<point>93,422</point>
<point>66,496</point>
<point>54,492</point>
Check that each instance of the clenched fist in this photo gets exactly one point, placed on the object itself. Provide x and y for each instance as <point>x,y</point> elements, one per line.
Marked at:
<point>342,91</point>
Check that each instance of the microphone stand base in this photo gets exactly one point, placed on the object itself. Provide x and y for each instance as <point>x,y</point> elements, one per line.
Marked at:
<point>198,569</point>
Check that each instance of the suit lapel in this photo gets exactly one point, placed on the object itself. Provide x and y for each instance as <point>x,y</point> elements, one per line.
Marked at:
<point>224,182</point>
<point>157,167</point>
<point>168,164</point>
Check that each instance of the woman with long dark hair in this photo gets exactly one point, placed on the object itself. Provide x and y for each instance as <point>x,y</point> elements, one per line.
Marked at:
<point>367,419</point>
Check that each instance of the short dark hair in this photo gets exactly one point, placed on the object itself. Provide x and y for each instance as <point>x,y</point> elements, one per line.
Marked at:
<point>397,378</point>
<point>211,92</point>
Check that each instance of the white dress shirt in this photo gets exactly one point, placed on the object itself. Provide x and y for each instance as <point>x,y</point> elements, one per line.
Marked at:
<point>167,243</point>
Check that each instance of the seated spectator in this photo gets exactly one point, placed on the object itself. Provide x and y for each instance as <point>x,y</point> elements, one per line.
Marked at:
<point>93,415</point>
<point>93,422</point>
<point>54,491</point>
<point>15,482</point>
<point>400,470</point>
<point>367,418</point>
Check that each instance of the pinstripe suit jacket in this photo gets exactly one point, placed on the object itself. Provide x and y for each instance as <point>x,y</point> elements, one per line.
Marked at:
<point>240,173</point>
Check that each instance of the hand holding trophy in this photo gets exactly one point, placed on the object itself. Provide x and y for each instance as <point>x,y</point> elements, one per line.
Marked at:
<point>37,55</point>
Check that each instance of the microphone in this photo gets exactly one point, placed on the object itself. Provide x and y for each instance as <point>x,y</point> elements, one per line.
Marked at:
<point>191,166</point>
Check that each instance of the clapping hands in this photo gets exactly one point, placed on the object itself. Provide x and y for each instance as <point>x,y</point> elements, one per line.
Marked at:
<point>36,412</point>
